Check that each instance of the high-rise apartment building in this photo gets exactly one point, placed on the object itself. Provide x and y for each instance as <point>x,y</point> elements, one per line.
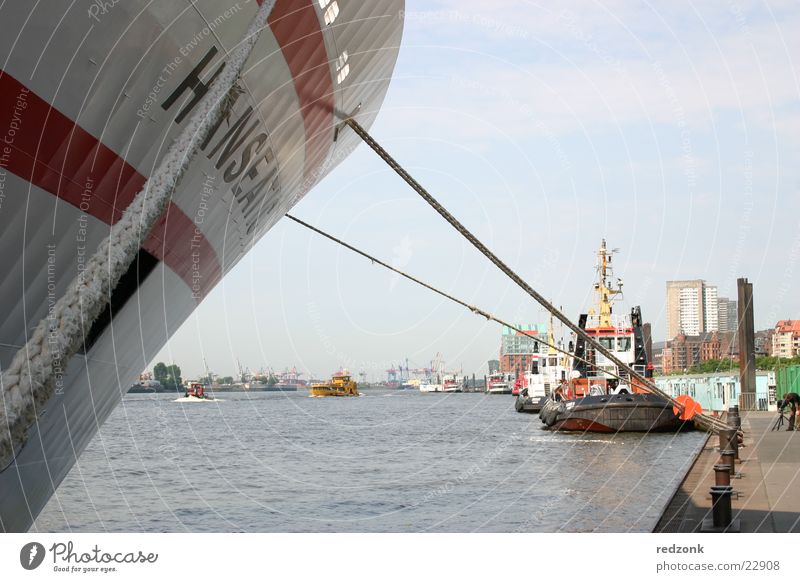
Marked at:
<point>710,308</point>
<point>692,308</point>
<point>727,314</point>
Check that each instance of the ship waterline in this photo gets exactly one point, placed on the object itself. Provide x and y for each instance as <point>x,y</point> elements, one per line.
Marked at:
<point>88,104</point>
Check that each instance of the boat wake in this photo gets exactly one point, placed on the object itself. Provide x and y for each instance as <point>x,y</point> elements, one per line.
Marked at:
<point>535,439</point>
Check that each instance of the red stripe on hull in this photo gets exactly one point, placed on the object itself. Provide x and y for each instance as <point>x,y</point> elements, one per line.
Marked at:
<point>55,154</point>
<point>296,28</point>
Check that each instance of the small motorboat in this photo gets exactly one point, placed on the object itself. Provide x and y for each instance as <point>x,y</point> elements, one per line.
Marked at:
<point>195,392</point>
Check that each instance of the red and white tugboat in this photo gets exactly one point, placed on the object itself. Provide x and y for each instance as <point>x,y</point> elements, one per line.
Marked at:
<point>548,370</point>
<point>600,397</point>
<point>195,392</point>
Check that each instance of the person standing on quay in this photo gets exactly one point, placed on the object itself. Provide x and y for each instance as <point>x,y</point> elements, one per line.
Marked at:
<point>793,400</point>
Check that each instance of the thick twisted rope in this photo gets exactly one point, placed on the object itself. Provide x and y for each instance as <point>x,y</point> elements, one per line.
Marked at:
<point>706,422</point>
<point>28,381</point>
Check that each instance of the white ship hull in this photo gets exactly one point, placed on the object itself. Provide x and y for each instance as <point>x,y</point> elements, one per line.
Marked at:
<point>90,98</point>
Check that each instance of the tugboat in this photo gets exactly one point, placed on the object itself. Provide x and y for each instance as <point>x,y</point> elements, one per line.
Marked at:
<point>599,397</point>
<point>450,383</point>
<point>548,371</point>
<point>340,385</point>
<point>497,384</point>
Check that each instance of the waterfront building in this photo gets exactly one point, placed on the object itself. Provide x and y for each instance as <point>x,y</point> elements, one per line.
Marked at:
<point>692,308</point>
<point>763,342</point>
<point>786,338</point>
<point>719,391</point>
<point>517,349</point>
<point>685,351</point>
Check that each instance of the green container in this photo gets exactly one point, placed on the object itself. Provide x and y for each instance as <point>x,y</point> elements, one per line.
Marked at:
<point>787,379</point>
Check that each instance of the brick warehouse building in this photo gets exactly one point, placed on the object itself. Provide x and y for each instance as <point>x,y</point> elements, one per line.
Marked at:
<point>684,351</point>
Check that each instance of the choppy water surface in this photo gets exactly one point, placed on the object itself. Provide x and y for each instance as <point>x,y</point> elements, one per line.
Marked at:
<point>386,462</point>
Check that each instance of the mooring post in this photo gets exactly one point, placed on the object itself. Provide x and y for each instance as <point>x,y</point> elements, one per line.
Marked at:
<point>747,346</point>
<point>722,475</point>
<point>721,510</point>
<point>727,439</point>
<point>728,458</point>
<point>721,500</point>
<point>734,420</point>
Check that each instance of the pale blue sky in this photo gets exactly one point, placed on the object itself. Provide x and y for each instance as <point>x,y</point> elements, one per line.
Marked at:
<point>672,131</point>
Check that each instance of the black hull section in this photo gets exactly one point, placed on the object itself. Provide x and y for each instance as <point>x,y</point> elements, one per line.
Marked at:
<point>530,405</point>
<point>612,413</point>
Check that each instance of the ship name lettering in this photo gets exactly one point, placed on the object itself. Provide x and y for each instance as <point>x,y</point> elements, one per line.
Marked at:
<point>243,154</point>
<point>195,84</point>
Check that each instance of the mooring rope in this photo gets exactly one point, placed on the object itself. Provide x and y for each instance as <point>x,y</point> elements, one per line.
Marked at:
<point>702,420</point>
<point>28,381</point>
<point>472,308</point>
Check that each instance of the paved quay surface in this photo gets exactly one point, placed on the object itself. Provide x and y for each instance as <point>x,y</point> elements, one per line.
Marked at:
<point>766,489</point>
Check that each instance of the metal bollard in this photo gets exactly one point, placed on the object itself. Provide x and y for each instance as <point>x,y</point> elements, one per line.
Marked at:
<point>722,475</point>
<point>728,458</point>
<point>721,511</point>
<point>728,439</point>
<point>734,420</point>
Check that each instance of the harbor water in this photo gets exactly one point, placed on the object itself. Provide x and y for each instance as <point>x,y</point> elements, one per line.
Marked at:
<point>389,461</point>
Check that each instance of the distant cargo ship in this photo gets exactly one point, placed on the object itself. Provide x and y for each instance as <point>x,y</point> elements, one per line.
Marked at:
<point>88,100</point>
<point>290,381</point>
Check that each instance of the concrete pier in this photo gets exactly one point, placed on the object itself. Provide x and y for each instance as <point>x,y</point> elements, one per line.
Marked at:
<point>766,485</point>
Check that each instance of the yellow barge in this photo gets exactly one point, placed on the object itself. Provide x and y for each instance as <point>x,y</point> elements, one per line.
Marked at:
<point>340,385</point>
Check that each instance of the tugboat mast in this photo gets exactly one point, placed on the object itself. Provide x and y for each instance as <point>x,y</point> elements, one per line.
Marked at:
<point>604,287</point>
